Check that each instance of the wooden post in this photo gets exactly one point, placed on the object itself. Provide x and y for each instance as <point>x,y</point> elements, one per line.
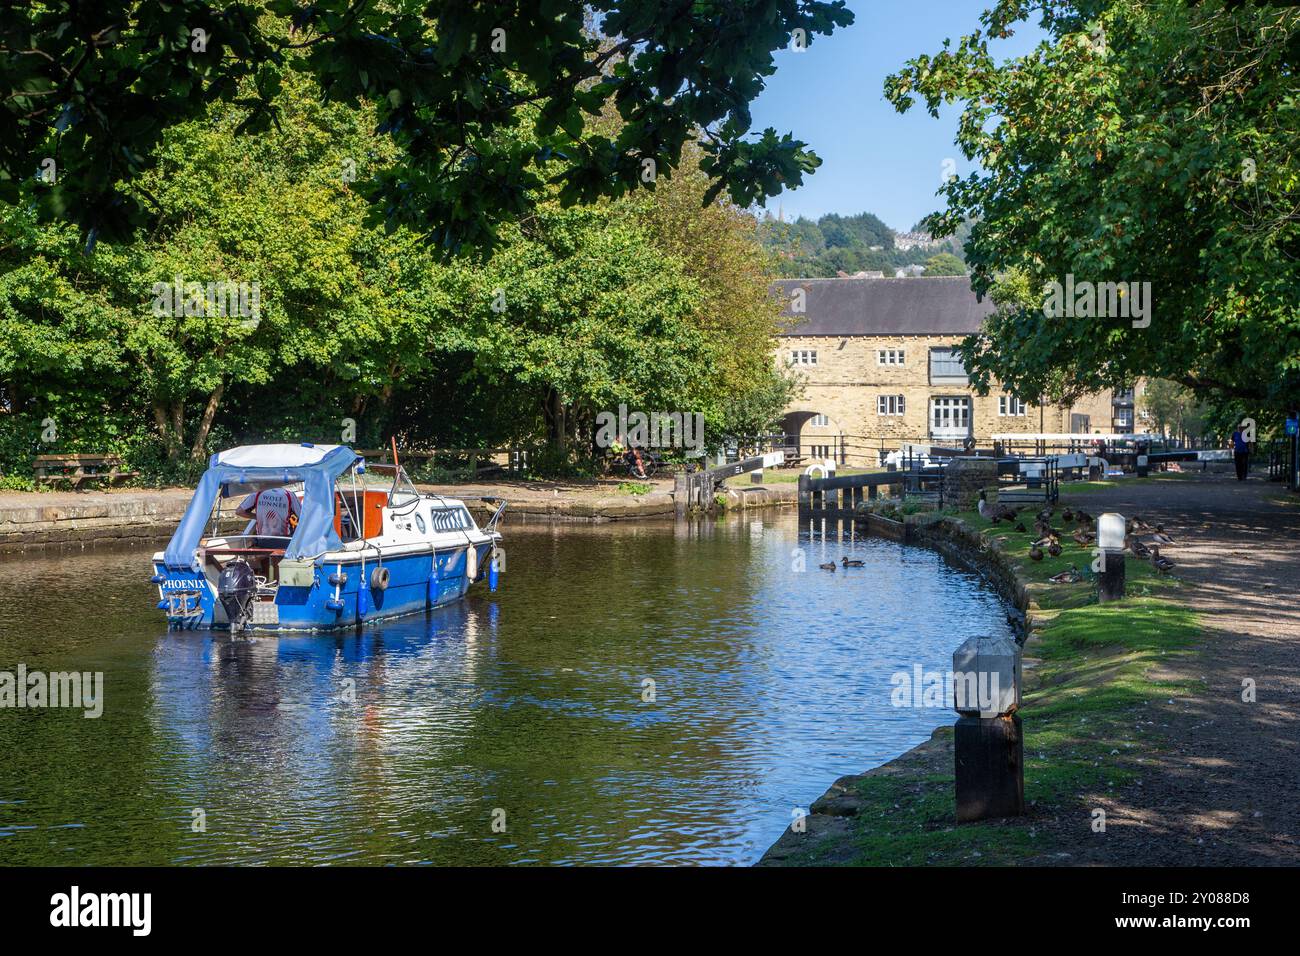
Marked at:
<point>988,750</point>
<point>990,767</point>
<point>805,494</point>
<point>1110,580</point>
<point>681,493</point>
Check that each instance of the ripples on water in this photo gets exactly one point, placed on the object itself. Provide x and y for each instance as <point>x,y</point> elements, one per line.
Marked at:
<point>769,684</point>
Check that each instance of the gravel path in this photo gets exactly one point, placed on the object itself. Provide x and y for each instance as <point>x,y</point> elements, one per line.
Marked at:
<point>1225,791</point>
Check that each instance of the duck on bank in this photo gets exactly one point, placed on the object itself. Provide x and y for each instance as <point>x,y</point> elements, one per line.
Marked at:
<point>324,546</point>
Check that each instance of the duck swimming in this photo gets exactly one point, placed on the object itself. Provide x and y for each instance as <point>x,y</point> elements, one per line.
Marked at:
<point>827,567</point>
<point>852,562</point>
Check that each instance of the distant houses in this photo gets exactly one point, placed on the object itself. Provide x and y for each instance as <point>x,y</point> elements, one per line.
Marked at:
<point>881,368</point>
<point>906,272</point>
<point>905,241</point>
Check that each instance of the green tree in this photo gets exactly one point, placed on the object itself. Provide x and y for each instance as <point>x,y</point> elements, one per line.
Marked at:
<point>944,264</point>
<point>579,309</point>
<point>1142,141</point>
<point>658,299</point>
<point>1176,408</point>
<point>348,307</point>
<point>93,87</point>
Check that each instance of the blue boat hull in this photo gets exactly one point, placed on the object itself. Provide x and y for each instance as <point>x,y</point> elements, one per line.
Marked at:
<point>416,582</point>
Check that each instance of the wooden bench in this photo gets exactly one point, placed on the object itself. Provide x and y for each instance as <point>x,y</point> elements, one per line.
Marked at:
<point>77,469</point>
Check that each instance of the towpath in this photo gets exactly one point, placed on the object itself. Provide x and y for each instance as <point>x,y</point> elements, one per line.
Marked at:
<point>1224,791</point>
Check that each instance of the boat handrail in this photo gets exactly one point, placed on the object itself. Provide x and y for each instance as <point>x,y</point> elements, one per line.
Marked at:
<point>501,503</point>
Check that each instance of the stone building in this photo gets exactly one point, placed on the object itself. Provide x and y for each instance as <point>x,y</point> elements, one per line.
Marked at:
<point>880,368</point>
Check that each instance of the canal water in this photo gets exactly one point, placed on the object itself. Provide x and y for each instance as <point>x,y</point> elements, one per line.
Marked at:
<point>631,694</point>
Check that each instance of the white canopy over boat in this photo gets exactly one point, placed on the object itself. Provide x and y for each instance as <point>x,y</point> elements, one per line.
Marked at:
<point>272,456</point>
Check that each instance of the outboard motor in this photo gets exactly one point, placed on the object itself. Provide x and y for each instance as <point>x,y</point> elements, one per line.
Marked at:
<point>236,589</point>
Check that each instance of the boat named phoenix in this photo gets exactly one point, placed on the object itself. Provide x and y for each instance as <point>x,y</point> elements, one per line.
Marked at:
<point>354,552</point>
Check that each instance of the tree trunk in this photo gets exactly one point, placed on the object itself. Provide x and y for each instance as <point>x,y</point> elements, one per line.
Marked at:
<point>205,423</point>
<point>15,396</point>
<point>170,423</point>
<point>553,411</point>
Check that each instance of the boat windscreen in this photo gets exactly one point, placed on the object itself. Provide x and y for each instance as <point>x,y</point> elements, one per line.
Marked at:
<point>403,493</point>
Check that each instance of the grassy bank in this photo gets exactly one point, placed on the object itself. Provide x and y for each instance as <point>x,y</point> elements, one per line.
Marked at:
<point>1091,671</point>
<point>791,476</point>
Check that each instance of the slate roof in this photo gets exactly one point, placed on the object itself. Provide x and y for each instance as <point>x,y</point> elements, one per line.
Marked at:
<point>942,305</point>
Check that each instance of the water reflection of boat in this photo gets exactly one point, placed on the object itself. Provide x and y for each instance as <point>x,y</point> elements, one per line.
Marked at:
<point>358,552</point>
<point>318,726</point>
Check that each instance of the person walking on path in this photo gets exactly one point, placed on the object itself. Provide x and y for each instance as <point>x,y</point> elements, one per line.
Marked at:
<point>1240,454</point>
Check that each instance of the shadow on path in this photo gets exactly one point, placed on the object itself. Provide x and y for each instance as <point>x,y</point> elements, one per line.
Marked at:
<point>1224,792</point>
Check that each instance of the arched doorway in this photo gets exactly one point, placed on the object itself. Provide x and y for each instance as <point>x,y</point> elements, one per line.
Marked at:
<point>815,435</point>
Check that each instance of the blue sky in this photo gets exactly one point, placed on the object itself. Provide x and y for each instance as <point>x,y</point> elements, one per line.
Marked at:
<point>873,158</point>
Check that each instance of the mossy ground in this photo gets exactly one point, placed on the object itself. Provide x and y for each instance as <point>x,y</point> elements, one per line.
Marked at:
<point>1091,671</point>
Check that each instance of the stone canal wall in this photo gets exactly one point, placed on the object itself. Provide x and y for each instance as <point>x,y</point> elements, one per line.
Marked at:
<point>71,518</point>
<point>80,519</point>
<point>966,545</point>
<point>660,504</point>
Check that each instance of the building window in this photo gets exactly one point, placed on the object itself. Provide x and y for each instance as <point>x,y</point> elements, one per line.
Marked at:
<point>1122,396</point>
<point>889,356</point>
<point>890,405</point>
<point>804,356</point>
<point>1009,405</point>
<point>950,417</point>
<point>1123,419</point>
<point>819,451</point>
<point>946,367</point>
<point>820,421</point>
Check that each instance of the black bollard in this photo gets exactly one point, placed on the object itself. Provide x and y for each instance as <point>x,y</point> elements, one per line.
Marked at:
<point>1143,466</point>
<point>990,767</point>
<point>988,754</point>
<point>1110,579</point>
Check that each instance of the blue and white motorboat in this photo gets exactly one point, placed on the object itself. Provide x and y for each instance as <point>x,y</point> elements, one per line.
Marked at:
<point>367,545</point>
